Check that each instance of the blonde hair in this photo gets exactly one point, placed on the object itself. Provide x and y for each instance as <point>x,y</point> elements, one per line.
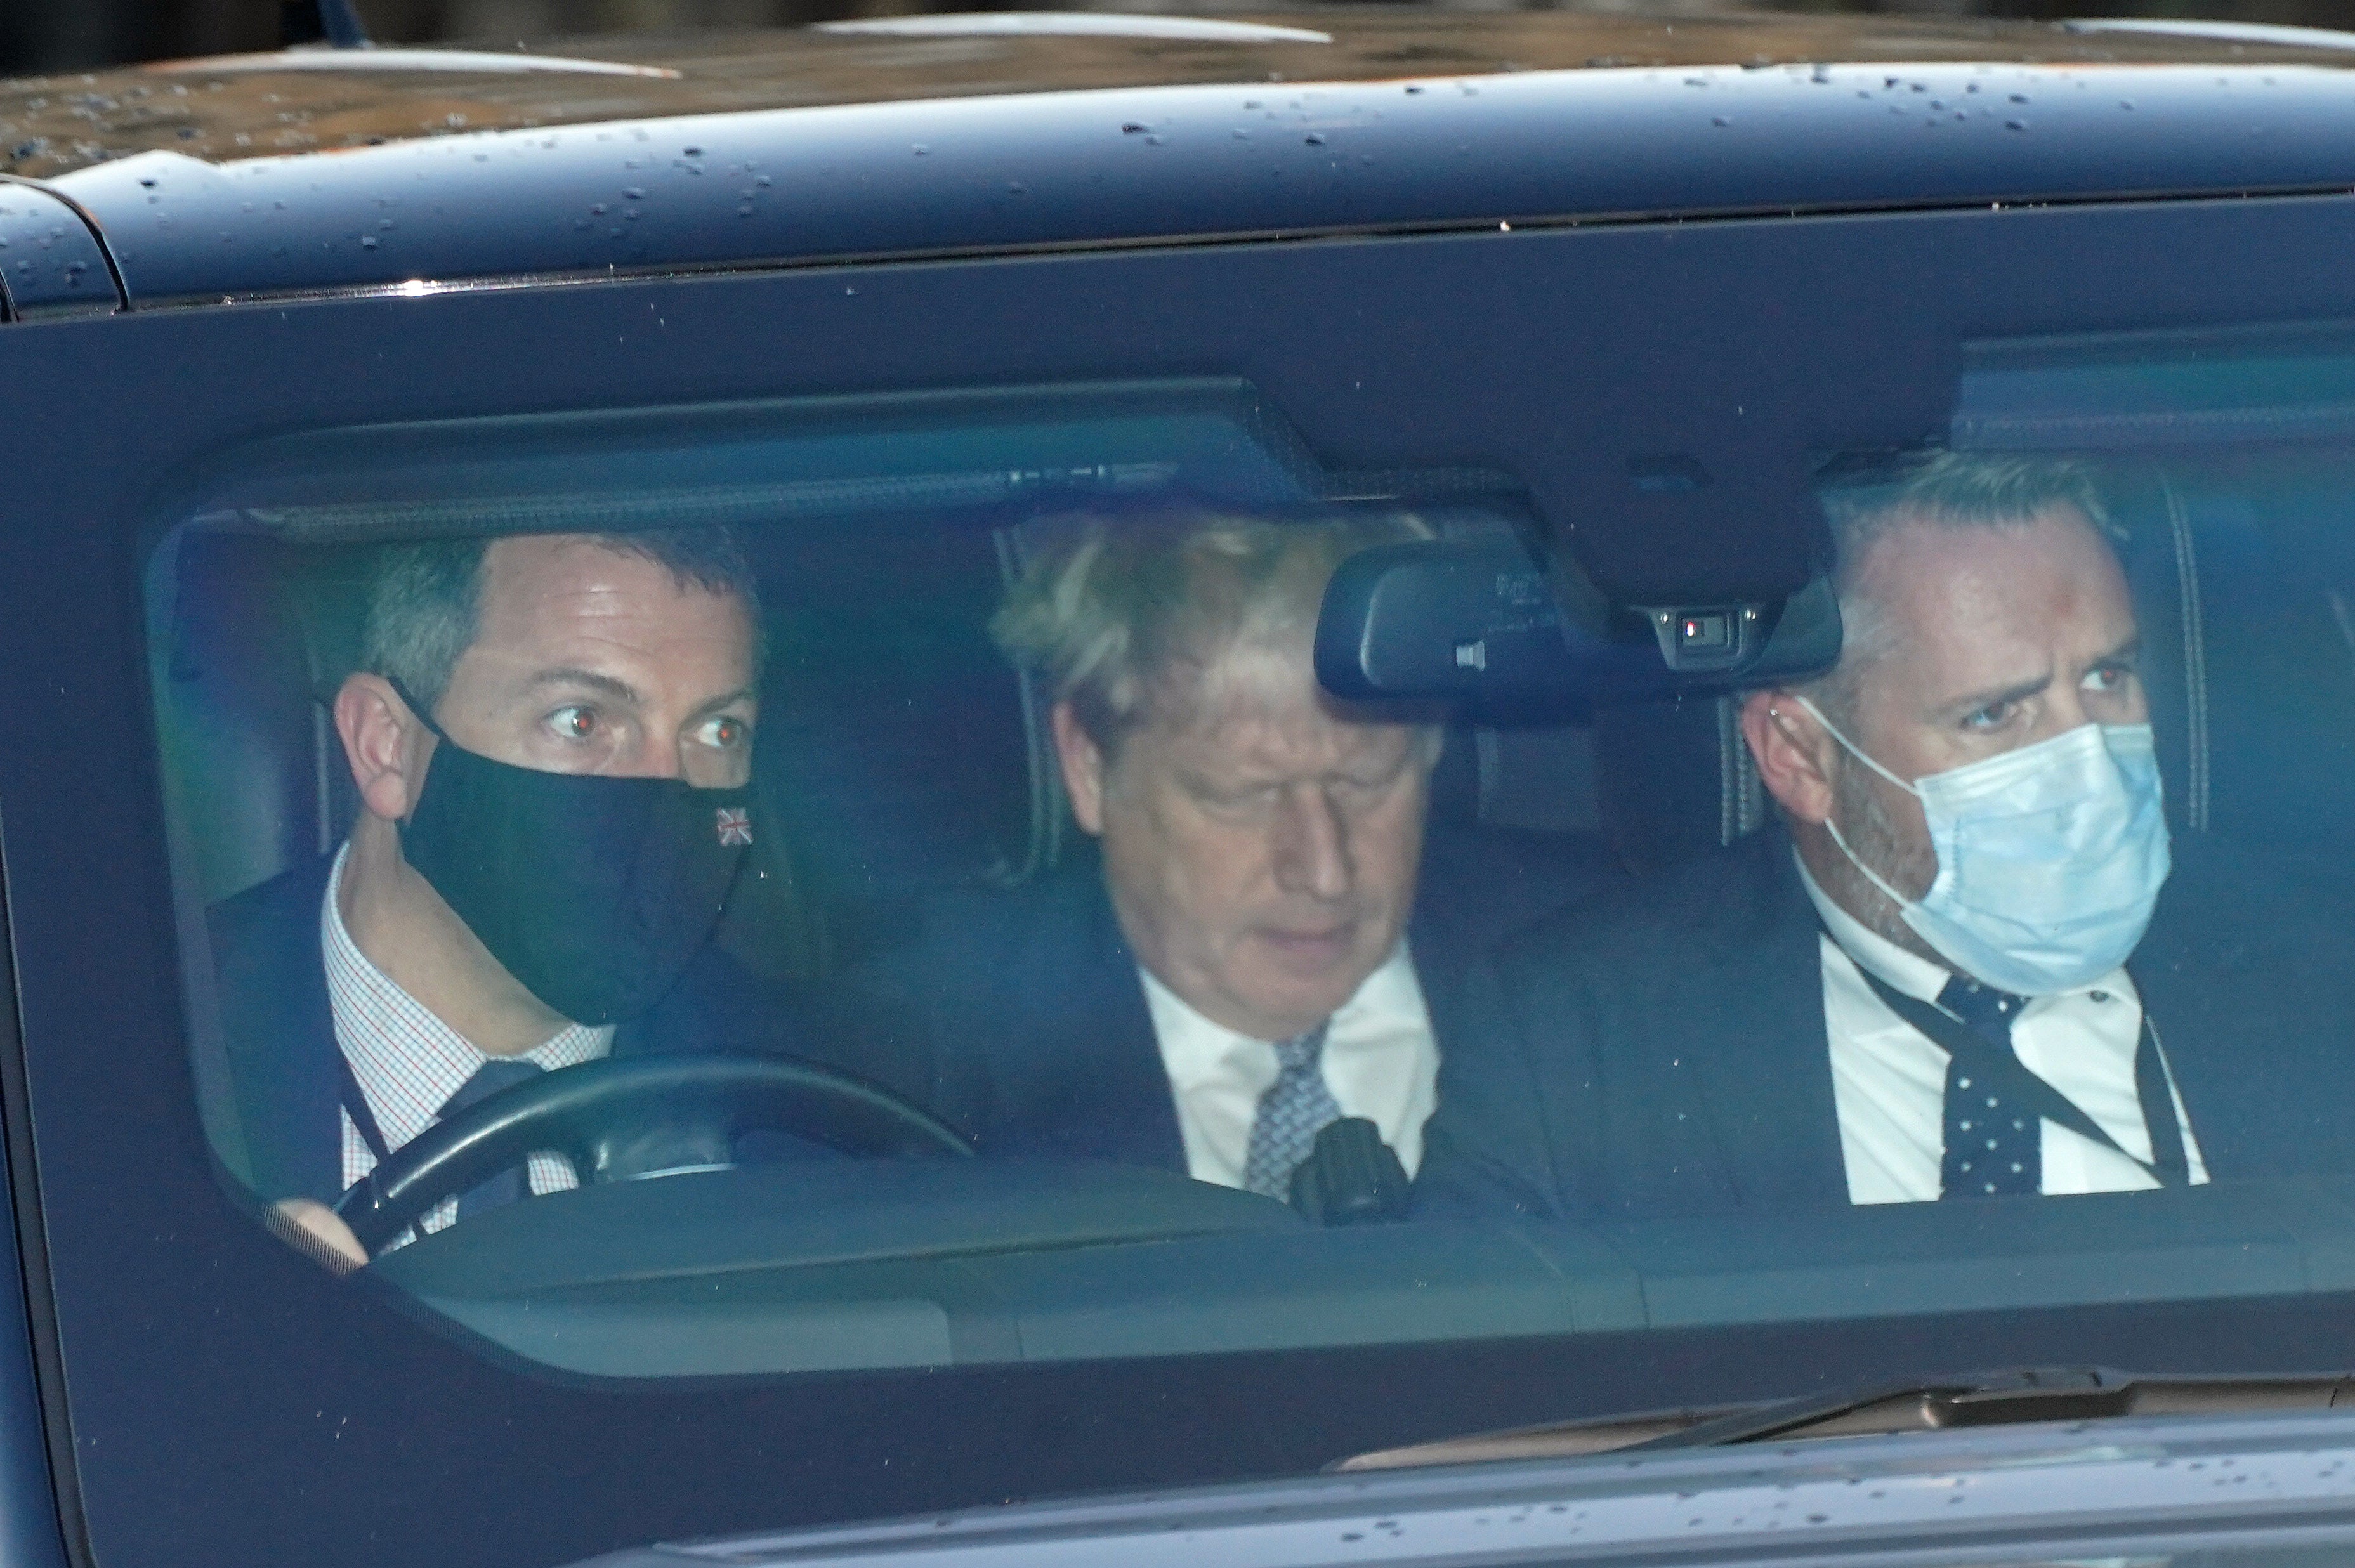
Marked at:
<point>1111,611</point>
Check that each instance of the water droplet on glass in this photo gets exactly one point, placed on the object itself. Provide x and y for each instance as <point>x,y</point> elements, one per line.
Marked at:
<point>2020,98</point>
<point>367,241</point>
<point>694,151</point>
<point>1412,90</point>
<point>1131,129</point>
<point>2015,124</point>
<point>920,149</point>
<point>1314,140</point>
<point>633,193</point>
<point>762,180</point>
<point>1719,120</point>
<point>1015,186</point>
<point>2126,103</point>
<point>743,212</point>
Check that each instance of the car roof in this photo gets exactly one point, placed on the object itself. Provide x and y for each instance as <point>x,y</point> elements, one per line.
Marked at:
<point>332,170</point>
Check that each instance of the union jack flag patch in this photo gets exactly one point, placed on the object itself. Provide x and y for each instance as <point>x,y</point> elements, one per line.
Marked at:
<point>735,828</point>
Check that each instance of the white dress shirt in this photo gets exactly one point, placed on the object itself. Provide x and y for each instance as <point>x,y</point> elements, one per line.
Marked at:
<point>1888,1081</point>
<point>408,1063</point>
<point>1380,1060</point>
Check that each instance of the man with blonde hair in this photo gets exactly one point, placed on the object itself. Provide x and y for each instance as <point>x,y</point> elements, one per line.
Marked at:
<point>1255,952</point>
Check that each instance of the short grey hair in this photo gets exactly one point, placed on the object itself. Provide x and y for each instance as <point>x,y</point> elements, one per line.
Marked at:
<point>424,600</point>
<point>1947,490</point>
<point>1112,608</point>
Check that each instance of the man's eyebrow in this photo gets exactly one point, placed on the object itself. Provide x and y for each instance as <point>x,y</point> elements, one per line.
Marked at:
<point>741,693</point>
<point>2016,692</point>
<point>569,675</point>
<point>2124,653</point>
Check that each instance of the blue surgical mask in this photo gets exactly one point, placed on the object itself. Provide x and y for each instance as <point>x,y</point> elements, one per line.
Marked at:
<point>2049,858</point>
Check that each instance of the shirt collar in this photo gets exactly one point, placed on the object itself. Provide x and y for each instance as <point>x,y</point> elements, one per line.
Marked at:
<point>1910,972</point>
<point>1907,973</point>
<point>1213,1052</point>
<point>406,1060</point>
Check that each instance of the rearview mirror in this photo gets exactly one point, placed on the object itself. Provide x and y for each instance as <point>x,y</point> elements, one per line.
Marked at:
<point>1482,625</point>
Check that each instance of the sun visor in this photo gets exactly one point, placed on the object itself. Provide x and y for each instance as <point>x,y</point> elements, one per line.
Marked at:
<point>2171,389</point>
<point>1482,625</point>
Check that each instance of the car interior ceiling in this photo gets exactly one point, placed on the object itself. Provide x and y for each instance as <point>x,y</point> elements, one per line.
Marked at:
<point>904,757</point>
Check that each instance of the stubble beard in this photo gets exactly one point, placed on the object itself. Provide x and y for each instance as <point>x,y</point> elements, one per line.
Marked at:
<point>1873,839</point>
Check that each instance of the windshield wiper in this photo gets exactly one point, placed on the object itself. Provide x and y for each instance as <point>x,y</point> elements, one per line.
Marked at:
<point>1912,1405</point>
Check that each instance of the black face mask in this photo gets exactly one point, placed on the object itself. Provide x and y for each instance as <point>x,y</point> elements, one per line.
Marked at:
<point>593,891</point>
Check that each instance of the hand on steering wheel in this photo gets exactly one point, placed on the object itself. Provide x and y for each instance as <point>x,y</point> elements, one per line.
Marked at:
<point>605,1117</point>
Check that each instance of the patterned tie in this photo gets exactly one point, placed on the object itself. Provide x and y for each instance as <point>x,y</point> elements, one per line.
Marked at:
<point>1992,1148</point>
<point>490,1078</point>
<point>1295,1108</point>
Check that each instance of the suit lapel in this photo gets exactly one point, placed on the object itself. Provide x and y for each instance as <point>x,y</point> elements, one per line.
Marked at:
<point>2246,982</point>
<point>1122,1095</point>
<point>1753,1029</point>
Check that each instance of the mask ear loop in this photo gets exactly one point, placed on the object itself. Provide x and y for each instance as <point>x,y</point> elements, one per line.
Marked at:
<point>424,714</point>
<point>1832,828</point>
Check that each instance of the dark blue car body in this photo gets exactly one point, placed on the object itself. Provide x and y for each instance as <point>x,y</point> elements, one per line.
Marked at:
<point>1644,225</point>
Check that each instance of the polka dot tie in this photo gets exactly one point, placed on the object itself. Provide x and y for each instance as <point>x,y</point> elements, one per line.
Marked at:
<point>1993,1146</point>
<point>1295,1108</point>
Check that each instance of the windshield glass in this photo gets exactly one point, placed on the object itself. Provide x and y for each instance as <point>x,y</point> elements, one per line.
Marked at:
<point>881,883</point>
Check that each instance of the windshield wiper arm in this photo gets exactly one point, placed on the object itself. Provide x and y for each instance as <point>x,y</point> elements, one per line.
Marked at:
<point>1910,1405</point>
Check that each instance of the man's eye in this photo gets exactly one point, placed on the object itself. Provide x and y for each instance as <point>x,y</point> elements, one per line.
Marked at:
<point>1991,717</point>
<point>574,723</point>
<point>723,734</point>
<point>2108,678</point>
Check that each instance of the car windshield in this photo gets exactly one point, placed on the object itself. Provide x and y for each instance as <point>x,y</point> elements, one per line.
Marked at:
<point>1060,874</point>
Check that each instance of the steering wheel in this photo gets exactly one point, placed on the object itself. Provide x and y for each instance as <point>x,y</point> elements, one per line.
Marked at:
<point>619,1120</point>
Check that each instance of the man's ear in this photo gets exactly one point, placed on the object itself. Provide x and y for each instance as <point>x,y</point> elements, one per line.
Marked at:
<point>1083,767</point>
<point>385,744</point>
<point>1797,756</point>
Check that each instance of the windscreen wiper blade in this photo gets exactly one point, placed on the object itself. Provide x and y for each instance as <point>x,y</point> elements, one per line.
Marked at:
<point>1910,1405</point>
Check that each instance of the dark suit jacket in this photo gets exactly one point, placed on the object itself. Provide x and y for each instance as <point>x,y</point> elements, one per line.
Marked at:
<point>1018,1017</point>
<point>279,1033</point>
<point>1665,1052</point>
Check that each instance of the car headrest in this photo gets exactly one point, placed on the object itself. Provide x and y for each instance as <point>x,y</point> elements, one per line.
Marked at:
<point>1674,780</point>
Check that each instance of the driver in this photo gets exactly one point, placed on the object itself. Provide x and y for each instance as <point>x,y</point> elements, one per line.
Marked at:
<point>551,736</point>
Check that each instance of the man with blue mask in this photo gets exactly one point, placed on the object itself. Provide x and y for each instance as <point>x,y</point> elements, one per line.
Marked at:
<point>1967,967</point>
